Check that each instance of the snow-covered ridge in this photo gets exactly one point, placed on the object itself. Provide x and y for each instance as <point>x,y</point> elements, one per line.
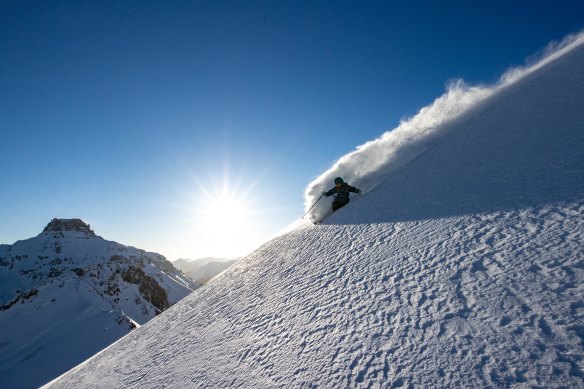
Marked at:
<point>67,293</point>
<point>371,162</point>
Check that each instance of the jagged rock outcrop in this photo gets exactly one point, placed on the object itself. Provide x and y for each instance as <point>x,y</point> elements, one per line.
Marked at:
<point>77,225</point>
<point>148,287</point>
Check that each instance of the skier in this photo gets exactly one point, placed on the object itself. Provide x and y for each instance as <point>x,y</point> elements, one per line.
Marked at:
<point>341,190</point>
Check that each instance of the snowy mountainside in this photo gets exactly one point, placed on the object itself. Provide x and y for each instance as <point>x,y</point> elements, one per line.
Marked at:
<point>67,293</point>
<point>204,269</point>
<point>371,163</point>
<point>463,267</point>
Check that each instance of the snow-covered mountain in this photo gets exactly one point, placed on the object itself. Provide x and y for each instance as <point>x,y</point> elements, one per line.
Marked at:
<point>67,293</point>
<point>461,266</point>
<point>202,270</point>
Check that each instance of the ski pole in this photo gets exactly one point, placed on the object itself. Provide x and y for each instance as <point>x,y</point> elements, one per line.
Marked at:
<point>312,206</point>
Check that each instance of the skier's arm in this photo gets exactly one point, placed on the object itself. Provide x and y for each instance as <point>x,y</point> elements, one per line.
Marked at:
<point>354,190</point>
<point>330,192</point>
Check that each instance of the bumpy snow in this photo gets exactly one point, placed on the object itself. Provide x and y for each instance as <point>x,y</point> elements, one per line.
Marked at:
<point>461,267</point>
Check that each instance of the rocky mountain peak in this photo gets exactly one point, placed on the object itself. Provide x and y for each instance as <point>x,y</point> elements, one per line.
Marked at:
<point>60,225</point>
<point>105,290</point>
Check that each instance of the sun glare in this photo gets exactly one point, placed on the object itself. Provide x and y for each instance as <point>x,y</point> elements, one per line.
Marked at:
<point>224,213</point>
<point>225,221</point>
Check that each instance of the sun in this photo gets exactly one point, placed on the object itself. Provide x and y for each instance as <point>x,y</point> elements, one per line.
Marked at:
<point>225,212</point>
<point>225,221</point>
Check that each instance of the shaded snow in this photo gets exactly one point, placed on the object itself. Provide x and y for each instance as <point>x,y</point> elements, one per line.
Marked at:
<point>461,268</point>
<point>370,164</point>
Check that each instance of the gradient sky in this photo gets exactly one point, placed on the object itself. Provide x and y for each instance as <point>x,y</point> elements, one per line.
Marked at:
<point>143,117</point>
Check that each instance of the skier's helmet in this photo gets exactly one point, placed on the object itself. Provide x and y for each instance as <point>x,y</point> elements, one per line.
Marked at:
<point>338,181</point>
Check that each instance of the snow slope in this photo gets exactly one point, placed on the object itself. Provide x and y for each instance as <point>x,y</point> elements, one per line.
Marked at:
<point>461,267</point>
<point>371,163</point>
<point>67,293</point>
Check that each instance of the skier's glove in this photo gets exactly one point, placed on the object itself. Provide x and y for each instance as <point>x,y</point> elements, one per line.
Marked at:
<point>324,194</point>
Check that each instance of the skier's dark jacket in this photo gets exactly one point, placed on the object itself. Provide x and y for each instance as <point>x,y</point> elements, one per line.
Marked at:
<point>342,192</point>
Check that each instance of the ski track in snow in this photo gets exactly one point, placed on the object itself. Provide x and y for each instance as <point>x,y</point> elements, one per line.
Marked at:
<point>452,309</point>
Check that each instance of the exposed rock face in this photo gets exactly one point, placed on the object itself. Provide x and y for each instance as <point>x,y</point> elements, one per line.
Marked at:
<point>149,288</point>
<point>59,225</point>
<point>22,297</point>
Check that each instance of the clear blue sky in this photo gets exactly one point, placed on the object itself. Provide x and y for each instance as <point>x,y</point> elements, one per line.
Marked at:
<point>132,115</point>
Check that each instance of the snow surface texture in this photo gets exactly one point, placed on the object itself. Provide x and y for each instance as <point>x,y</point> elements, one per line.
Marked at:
<point>462,268</point>
<point>64,297</point>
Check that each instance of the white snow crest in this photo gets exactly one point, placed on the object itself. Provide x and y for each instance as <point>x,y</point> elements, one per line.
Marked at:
<point>371,162</point>
<point>368,165</point>
<point>550,53</point>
